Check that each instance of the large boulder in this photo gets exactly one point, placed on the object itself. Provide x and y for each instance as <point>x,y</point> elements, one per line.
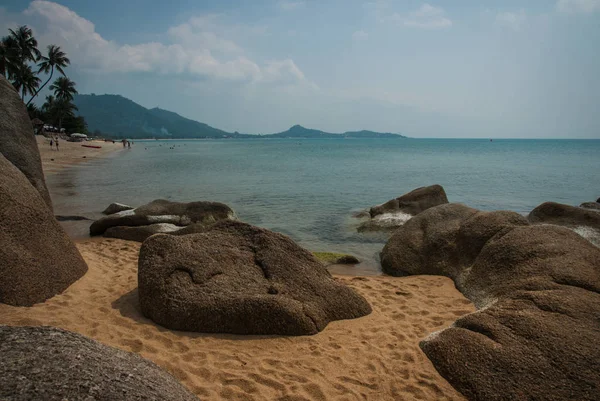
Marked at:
<point>38,260</point>
<point>164,211</point>
<point>537,288</point>
<point>17,142</point>
<point>536,334</point>
<point>564,215</point>
<point>237,278</point>
<point>45,363</point>
<point>116,208</point>
<point>414,202</point>
<point>140,233</point>
<point>427,243</point>
<point>396,212</point>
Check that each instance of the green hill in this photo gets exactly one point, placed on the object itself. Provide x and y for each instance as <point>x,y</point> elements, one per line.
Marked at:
<point>118,117</point>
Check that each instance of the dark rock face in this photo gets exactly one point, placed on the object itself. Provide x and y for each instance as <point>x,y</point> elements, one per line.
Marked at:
<point>538,289</point>
<point>564,215</point>
<point>38,258</point>
<point>45,363</point>
<point>17,142</point>
<point>141,233</point>
<point>427,243</point>
<point>237,278</point>
<point>590,205</point>
<point>163,211</point>
<point>413,202</point>
<point>116,208</point>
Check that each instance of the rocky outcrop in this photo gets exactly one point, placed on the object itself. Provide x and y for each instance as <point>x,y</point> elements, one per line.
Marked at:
<point>237,278</point>
<point>140,233</point>
<point>38,258</point>
<point>564,215</point>
<point>164,211</point>
<point>17,142</point>
<point>537,288</point>
<point>396,212</point>
<point>45,363</point>
<point>116,208</point>
<point>413,202</point>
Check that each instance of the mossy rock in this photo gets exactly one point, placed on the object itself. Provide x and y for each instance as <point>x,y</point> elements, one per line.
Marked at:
<point>332,258</point>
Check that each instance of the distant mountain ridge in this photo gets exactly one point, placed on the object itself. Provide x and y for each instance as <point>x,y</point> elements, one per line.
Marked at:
<point>118,117</point>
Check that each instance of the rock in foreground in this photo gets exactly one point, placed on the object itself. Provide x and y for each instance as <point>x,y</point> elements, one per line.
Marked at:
<point>538,289</point>
<point>17,142</point>
<point>237,278</point>
<point>396,212</point>
<point>45,363</point>
<point>38,260</point>
<point>164,211</point>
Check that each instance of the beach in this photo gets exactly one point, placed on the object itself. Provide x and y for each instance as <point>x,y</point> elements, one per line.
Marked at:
<point>71,153</point>
<point>373,357</point>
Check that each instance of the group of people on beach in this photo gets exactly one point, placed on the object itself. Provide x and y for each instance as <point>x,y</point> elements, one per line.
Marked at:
<point>126,143</point>
<point>54,142</point>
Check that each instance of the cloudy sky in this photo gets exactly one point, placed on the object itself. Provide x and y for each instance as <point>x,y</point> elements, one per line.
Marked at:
<point>469,68</point>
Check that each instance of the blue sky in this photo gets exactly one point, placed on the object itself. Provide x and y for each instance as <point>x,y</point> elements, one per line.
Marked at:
<point>442,68</point>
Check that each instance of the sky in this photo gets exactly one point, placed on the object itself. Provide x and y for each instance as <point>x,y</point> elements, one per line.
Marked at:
<point>440,68</point>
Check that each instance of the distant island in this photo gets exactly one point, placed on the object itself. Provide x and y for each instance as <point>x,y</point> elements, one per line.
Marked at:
<point>115,116</point>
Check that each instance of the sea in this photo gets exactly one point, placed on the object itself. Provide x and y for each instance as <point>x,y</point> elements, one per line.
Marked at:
<point>309,189</point>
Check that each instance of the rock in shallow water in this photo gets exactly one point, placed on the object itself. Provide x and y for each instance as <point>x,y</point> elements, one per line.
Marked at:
<point>164,211</point>
<point>237,278</point>
<point>396,212</point>
<point>116,208</point>
<point>45,363</point>
<point>537,288</point>
<point>37,258</point>
<point>564,215</point>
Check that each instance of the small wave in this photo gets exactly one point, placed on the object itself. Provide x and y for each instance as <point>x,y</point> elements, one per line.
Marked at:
<point>392,219</point>
<point>589,233</point>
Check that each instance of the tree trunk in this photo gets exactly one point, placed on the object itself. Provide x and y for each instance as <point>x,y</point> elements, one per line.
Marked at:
<point>42,87</point>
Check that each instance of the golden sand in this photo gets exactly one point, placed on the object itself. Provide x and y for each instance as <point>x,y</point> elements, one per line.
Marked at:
<point>376,357</point>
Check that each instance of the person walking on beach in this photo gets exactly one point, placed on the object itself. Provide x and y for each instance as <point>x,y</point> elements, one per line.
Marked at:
<point>51,144</point>
<point>56,142</point>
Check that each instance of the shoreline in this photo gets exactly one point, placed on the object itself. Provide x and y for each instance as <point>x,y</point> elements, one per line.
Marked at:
<point>71,153</point>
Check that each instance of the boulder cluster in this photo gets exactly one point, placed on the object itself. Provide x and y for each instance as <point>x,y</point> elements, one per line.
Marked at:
<point>537,288</point>
<point>158,216</point>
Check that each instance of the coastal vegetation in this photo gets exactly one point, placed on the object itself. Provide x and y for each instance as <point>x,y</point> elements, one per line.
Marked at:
<point>23,65</point>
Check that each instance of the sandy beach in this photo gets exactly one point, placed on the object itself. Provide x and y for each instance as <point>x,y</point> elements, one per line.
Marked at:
<point>376,357</point>
<point>71,153</point>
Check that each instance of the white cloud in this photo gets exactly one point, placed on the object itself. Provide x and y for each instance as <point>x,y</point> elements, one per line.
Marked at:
<point>289,5</point>
<point>196,48</point>
<point>578,6</point>
<point>360,35</point>
<point>514,21</point>
<point>426,17</point>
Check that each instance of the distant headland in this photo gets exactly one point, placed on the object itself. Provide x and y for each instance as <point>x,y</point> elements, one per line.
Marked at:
<point>115,116</point>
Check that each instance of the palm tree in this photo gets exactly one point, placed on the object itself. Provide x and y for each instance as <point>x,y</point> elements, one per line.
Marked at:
<point>63,108</point>
<point>8,57</point>
<point>26,44</point>
<point>49,104</point>
<point>63,88</point>
<point>56,59</point>
<point>25,81</point>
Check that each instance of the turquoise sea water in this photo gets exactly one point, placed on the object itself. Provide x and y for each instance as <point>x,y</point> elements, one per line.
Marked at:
<point>308,189</point>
